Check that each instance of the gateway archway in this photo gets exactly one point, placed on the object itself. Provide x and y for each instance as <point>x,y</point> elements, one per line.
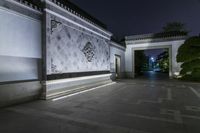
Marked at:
<point>168,49</point>
<point>149,41</point>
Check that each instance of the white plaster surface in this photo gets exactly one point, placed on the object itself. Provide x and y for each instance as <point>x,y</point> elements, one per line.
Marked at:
<point>20,35</point>
<point>18,68</point>
<point>65,50</point>
<point>20,46</point>
<point>120,52</point>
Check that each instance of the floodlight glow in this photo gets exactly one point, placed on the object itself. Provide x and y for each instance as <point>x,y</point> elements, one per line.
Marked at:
<point>52,82</point>
<point>63,97</point>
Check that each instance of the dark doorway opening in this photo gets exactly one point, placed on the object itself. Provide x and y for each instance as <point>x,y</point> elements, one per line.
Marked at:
<point>152,64</point>
<point>117,66</point>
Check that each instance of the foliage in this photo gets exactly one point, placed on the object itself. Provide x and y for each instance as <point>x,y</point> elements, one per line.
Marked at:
<point>163,61</point>
<point>189,55</point>
<point>140,60</point>
<point>190,66</point>
<point>174,27</point>
<point>189,50</point>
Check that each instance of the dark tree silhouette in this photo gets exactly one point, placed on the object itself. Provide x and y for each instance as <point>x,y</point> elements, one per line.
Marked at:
<point>189,55</point>
<point>163,61</point>
<point>174,27</point>
<point>140,60</point>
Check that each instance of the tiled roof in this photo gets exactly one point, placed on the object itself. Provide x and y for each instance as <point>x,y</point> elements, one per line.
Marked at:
<point>156,35</point>
<point>34,4</point>
<point>66,4</point>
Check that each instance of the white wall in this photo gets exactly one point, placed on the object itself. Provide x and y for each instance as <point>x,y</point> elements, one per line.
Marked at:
<point>72,49</point>
<point>129,58</point>
<point>20,46</point>
<point>20,35</point>
<point>120,51</point>
<point>176,66</point>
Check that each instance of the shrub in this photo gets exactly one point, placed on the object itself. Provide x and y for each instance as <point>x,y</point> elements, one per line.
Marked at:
<point>189,55</point>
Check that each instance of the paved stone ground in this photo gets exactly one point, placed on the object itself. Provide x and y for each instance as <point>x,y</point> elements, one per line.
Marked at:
<point>128,106</point>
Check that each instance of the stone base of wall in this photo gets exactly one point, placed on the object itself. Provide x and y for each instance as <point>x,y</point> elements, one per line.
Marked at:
<point>121,76</point>
<point>129,75</point>
<point>62,87</point>
<point>14,93</point>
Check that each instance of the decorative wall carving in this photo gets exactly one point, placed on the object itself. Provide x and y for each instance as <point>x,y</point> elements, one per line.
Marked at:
<point>54,25</point>
<point>53,67</point>
<point>89,51</point>
<point>72,50</point>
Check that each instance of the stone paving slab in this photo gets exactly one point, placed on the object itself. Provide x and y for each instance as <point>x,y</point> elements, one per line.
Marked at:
<point>125,107</point>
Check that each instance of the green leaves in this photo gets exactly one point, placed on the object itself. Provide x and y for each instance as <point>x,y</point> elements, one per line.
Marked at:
<point>190,66</point>
<point>189,55</point>
<point>190,50</point>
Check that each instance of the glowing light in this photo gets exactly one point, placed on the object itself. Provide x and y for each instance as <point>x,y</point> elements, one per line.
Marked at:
<point>176,73</point>
<point>76,79</point>
<point>63,97</point>
<point>152,59</point>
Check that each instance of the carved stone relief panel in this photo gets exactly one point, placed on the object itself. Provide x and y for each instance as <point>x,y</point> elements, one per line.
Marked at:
<point>89,51</point>
<point>73,50</point>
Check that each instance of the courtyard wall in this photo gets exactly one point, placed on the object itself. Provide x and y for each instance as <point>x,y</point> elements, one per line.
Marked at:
<point>20,52</point>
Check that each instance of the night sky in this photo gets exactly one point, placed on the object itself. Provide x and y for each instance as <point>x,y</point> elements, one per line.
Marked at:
<point>129,17</point>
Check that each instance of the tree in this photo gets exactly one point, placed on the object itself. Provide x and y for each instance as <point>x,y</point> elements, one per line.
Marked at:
<point>172,29</point>
<point>140,60</point>
<point>189,55</point>
<point>163,61</point>
<point>175,27</point>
